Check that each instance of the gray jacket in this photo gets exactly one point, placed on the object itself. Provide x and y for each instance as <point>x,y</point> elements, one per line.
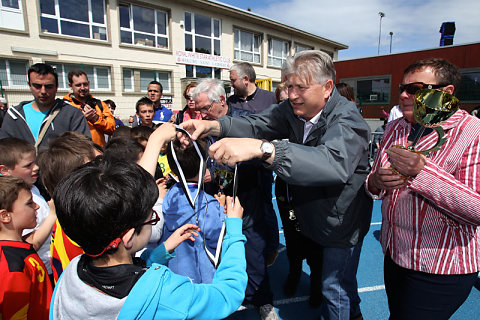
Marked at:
<point>68,119</point>
<point>325,174</point>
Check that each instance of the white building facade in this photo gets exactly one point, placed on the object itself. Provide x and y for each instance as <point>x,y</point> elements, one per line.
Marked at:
<point>123,45</point>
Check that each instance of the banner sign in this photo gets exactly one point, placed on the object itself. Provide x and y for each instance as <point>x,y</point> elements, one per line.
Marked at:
<point>202,59</point>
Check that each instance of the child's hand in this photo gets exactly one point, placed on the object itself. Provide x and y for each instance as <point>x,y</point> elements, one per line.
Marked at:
<point>166,132</point>
<point>235,212</point>
<point>52,212</point>
<point>187,231</point>
<point>220,198</point>
<point>162,187</point>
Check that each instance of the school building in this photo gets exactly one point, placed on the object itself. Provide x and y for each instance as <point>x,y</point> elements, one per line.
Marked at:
<point>376,79</point>
<point>123,45</point>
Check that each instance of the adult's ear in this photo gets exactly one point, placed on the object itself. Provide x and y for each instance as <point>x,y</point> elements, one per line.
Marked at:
<point>127,239</point>
<point>328,88</point>
<point>449,89</point>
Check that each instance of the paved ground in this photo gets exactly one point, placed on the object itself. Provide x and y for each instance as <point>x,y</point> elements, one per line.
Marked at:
<point>370,283</point>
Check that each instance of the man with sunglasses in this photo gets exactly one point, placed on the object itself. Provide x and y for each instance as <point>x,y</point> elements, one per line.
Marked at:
<point>45,113</point>
<point>430,203</point>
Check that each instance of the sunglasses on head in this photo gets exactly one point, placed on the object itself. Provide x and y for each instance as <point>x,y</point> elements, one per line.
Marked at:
<point>413,87</point>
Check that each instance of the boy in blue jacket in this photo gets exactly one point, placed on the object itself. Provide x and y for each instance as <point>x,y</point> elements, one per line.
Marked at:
<point>107,209</point>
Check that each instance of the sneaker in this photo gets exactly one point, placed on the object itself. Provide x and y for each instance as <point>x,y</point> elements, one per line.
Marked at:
<point>267,312</point>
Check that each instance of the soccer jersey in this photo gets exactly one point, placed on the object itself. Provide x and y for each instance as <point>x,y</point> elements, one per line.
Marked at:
<point>25,289</point>
<point>163,162</point>
<point>63,250</point>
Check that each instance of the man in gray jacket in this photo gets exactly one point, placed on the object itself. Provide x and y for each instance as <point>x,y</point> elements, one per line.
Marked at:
<point>27,120</point>
<point>324,162</point>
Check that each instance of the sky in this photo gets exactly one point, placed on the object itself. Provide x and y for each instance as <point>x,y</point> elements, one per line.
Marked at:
<point>355,23</point>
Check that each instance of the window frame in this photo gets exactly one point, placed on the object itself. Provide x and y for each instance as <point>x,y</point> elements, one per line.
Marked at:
<point>9,74</point>
<point>354,81</point>
<point>132,30</point>
<point>90,23</point>
<point>136,78</point>
<point>462,72</point>
<point>63,75</point>
<point>303,46</point>
<point>214,71</point>
<point>239,49</point>
<point>270,48</point>
<point>20,11</point>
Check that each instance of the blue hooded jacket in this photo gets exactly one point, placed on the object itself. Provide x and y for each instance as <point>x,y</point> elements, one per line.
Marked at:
<point>191,260</point>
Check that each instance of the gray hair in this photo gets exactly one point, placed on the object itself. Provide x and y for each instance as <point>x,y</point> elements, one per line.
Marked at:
<point>311,66</point>
<point>244,69</point>
<point>212,87</point>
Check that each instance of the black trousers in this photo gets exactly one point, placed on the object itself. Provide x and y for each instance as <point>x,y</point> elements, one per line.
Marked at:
<point>417,295</point>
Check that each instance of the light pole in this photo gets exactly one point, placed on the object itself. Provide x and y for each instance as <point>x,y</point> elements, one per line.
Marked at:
<point>391,36</point>
<point>381,14</point>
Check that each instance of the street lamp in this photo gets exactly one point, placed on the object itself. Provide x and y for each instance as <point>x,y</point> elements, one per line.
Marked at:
<point>391,36</point>
<point>381,14</point>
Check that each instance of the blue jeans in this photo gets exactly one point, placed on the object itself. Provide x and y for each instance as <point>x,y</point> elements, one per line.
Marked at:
<point>339,283</point>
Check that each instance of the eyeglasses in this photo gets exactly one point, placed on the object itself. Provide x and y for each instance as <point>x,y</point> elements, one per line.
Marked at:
<point>188,97</point>
<point>413,87</point>
<point>206,109</point>
<point>154,220</point>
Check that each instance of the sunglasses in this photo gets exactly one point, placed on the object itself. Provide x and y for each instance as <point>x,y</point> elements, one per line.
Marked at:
<point>154,220</point>
<point>413,87</point>
<point>188,97</point>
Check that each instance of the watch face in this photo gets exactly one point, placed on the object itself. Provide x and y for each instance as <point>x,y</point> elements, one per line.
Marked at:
<point>267,147</point>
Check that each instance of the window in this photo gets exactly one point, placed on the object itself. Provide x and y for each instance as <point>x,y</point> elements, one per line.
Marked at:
<point>11,14</point>
<point>78,18</point>
<point>470,86</point>
<point>202,34</point>
<point>300,48</point>
<point>99,76</point>
<point>13,73</point>
<point>371,90</point>
<point>144,77</point>
<point>277,52</point>
<point>247,46</point>
<point>143,26</point>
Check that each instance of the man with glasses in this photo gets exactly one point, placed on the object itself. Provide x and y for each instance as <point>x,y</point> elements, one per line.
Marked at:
<point>430,203</point>
<point>317,142</point>
<point>45,117</point>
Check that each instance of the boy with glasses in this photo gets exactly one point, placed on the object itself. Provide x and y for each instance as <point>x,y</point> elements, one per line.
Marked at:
<point>106,282</point>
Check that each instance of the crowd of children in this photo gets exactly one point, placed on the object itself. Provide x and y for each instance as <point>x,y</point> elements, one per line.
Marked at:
<point>111,226</point>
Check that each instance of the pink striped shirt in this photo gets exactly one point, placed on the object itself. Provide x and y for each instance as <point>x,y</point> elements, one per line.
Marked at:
<point>431,225</point>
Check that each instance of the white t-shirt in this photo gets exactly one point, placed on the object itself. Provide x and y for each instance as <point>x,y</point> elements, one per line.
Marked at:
<point>42,212</point>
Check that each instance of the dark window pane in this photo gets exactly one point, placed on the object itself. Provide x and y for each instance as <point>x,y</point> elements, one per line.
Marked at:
<point>144,40</point>
<point>188,21</point>
<point>373,91</point>
<point>49,25</point>
<point>3,72</point>
<point>203,45</point>
<point>204,72</point>
<point>143,19</point>
<point>470,87</point>
<point>124,16</point>
<point>161,22</point>
<point>188,43</point>
<point>74,9</point>
<point>163,78</point>
<point>217,73</point>
<point>127,79</point>
<point>99,33</point>
<point>47,6</point>
<point>145,77</point>
<point>18,73</point>
<point>216,44</point>
<point>216,28</point>
<point>75,29</point>
<point>10,4</point>
<point>126,36</point>
<point>102,78</point>
<point>162,43</point>
<point>98,11</point>
<point>189,71</point>
<point>203,25</point>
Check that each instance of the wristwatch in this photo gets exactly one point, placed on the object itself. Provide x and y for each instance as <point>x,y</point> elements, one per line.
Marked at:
<point>267,149</point>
